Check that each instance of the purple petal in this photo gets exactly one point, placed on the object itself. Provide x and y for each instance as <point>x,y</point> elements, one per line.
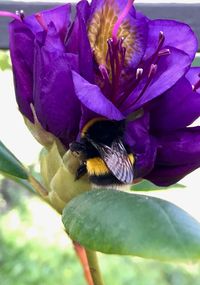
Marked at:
<point>51,42</point>
<point>91,96</point>
<point>51,39</point>
<point>168,175</point>
<point>142,145</point>
<point>177,108</point>
<point>145,161</point>
<point>170,69</point>
<point>83,8</point>
<point>179,147</point>
<point>56,105</point>
<point>78,42</point>
<point>21,51</point>
<point>60,16</point>
<point>193,75</point>
<point>135,50</point>
<point>137,133</point>
<point>177,34</point>
<point>178,155</point>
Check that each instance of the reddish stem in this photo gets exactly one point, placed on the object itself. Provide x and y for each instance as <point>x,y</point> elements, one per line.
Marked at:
<point>80,251</point>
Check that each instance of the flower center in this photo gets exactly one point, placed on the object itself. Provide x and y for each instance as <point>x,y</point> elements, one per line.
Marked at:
<point>116,57</point>
<point>113,41</point>
<point>108,23</point>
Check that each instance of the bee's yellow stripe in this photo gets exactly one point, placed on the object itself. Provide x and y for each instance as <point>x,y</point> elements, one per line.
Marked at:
<point>131,158</point>
<point>96,166</point>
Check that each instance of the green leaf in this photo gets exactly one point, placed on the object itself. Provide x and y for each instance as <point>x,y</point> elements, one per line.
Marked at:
<point>146,185</point>
<point>196,61</point>
<point>116,222</point>
<point>9,164</point>
<point>24,183</point>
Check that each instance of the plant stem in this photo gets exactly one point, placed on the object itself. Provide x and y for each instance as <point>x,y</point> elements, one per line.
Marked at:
<point>81,254</point>
<point>39,188</point>
<point>94,267</point>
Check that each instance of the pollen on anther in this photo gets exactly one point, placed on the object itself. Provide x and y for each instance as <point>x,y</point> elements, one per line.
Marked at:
<point>164,52</point>
<point>152,71</point>
<point>139,73</point>
<point>161,35</point>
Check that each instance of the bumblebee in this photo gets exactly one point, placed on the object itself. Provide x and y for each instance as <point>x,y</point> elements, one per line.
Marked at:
<point>102,153</point>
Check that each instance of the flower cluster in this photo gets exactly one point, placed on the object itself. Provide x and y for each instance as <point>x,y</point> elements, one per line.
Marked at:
<point>111,61</point>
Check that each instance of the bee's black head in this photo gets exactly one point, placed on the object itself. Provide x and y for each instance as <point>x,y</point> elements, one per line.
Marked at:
<point>105,131</point>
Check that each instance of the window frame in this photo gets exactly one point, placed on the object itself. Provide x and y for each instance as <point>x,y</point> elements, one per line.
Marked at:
<point>188,13</point>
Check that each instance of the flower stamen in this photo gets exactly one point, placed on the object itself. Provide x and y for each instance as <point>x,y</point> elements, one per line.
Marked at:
<point>122,52</point>
<point>139,73</point>
<point>164,52</point>
<point>116,58</point>
<point>111,56</point>
<point>196,85</point>
<point>104,72</point>
<point>152,70</point>
<point>20,14</point>
<point>161,39</point>
<point>151,73</point>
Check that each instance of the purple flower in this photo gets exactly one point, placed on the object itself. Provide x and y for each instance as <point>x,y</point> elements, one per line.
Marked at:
<point>112,61</point>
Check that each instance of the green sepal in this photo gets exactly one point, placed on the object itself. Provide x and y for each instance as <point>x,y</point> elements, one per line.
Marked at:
<point>9,164</point>
<point>116,222</point>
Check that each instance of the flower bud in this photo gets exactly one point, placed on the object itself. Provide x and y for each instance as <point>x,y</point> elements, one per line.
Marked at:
<point>58,174</point>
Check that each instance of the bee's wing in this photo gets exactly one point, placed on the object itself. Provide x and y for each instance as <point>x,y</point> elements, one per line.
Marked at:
<point>117,160</point>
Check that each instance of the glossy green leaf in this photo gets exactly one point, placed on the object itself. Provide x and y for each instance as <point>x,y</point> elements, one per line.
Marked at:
<point>146,185</point>
<point>116,222</point>
<point>9,164</point>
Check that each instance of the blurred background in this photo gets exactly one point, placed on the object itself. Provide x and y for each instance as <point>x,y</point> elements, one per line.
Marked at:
<point>34,248</point>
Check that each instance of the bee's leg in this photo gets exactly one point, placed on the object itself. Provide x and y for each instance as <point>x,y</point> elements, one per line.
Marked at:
<point>76,147</point>
<point>82,170</point>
